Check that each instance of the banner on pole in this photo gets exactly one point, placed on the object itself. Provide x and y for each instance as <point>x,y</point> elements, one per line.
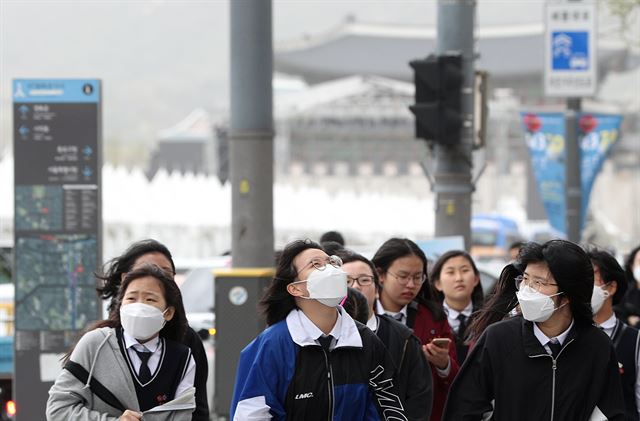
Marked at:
<point>545,137</point>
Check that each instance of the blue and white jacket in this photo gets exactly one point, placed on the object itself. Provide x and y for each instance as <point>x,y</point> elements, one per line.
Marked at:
<point>284,374</point>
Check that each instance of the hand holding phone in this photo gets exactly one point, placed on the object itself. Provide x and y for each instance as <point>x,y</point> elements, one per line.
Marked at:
<point>441,342</point>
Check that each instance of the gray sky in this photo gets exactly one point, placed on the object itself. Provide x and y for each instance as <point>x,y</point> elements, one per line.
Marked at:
<point>160,59</point>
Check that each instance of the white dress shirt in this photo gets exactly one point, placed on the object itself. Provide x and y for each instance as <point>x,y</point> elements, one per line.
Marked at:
<point>314,331</point>
<point>544,340</point>
<point>394,314</point>
<point>372,323</point>
<point>155,347</point>
<point>452,314</point>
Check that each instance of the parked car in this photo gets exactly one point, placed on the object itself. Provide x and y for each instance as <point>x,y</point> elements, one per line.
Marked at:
<point>489,273</point>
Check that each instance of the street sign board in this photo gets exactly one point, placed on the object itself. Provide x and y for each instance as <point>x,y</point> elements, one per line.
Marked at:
<point>57,143</point>
<point>570,49</point>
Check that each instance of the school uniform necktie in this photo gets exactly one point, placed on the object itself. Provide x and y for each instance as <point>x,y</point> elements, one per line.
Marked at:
<point>144,374</point>
<point>398,317</point>
<point>325,342</point>
<point>462,327</point>
<point>555,347</point>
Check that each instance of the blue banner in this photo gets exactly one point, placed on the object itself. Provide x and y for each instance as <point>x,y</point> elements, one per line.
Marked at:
<point>545,137</point>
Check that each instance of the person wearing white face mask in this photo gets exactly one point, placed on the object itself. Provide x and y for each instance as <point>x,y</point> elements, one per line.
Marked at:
<point>313,362</point>
<point>609,286</point>
<point>550,364</point>
<point>133,362</point>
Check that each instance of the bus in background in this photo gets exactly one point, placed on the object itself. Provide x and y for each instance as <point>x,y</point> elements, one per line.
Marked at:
<point>491,236</point>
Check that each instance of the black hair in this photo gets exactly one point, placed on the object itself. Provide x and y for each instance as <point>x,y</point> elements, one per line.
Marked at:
<point>396,248</point>
<point>628,267</point>
<point>499,303</point>
<point>517,245</point>
<point>356,305</point>
<point>610,271</point>
<point>114,269</point>
<point>276,302</point>
<point>477,296</point>
<point>571,269</point>
<point>332,247</point>
<point>332,236</point>
<point>349,256</point>
<point>174,329</point>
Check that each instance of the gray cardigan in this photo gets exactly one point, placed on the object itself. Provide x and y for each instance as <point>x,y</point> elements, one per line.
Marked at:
<point>98,352</point>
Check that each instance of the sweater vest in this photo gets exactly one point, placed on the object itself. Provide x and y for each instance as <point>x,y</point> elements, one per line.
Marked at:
<point>164,382</point>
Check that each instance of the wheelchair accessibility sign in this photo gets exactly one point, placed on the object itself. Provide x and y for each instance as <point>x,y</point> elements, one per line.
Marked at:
<point>570,62</point>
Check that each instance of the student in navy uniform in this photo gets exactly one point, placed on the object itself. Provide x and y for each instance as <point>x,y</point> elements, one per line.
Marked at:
<point>131,362</point>
<point>550,364</point>
<point>154,252</point>
<point>609,286</point>
<point>313,362</point>
<point>456,279</point>
<point>413,371</point>
<point>407,295</point>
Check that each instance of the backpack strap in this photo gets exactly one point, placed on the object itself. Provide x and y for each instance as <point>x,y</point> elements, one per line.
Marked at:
<point>96,387</point>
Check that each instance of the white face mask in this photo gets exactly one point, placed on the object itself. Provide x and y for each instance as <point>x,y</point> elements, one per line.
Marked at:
<point>598,297</point>
<point>328,286</point>
<point>141,321</point>
<point>535,306</point>
<point>636,273</point>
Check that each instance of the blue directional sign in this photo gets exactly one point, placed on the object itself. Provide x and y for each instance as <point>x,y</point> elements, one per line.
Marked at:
<point>570,50</point>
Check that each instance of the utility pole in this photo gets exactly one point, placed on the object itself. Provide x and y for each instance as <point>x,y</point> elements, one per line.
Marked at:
<point>573,191</point>
<point>453,168</point>
<point>251,133</point>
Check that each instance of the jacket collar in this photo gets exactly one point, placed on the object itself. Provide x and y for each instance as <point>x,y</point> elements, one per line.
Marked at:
<point>533,347</point>
<point>349,335</point>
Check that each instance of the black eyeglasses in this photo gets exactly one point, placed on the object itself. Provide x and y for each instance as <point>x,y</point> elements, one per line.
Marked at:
<point>418,278</point>
<point>362,280</point>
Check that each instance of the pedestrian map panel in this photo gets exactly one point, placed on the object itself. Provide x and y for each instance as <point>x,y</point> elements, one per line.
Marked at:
<point>39,208</point>
<point>55,282</point>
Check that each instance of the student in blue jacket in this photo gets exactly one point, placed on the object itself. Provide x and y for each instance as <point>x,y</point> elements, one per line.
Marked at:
<point>313,362</point>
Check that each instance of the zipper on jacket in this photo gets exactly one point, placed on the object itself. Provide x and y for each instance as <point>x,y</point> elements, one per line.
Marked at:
<point>553,386</point>
<point>404,350</point>
<point>329,383</point>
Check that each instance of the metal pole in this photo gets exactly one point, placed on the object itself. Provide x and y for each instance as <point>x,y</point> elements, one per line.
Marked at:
<point>453,183</point>
<point>251,133</point>
<point>573,190</point>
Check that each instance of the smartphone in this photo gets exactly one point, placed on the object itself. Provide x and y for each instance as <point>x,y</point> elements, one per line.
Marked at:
<point>441,342</point>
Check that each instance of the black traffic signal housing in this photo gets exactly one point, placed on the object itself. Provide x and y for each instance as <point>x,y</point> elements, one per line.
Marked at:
<point>438,108</point>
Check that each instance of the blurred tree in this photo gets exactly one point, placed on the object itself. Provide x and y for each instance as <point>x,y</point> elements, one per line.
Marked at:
<point>628,13</point>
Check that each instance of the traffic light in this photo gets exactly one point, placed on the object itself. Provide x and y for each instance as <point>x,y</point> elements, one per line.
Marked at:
<point>438,108</point>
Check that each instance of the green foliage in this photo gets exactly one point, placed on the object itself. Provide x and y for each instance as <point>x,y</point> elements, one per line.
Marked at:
<point>628,13</point>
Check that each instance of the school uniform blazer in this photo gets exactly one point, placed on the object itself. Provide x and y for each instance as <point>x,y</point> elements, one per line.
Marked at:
<point>510,373</point>
<point>99,354</point>
<point>421,320</point>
